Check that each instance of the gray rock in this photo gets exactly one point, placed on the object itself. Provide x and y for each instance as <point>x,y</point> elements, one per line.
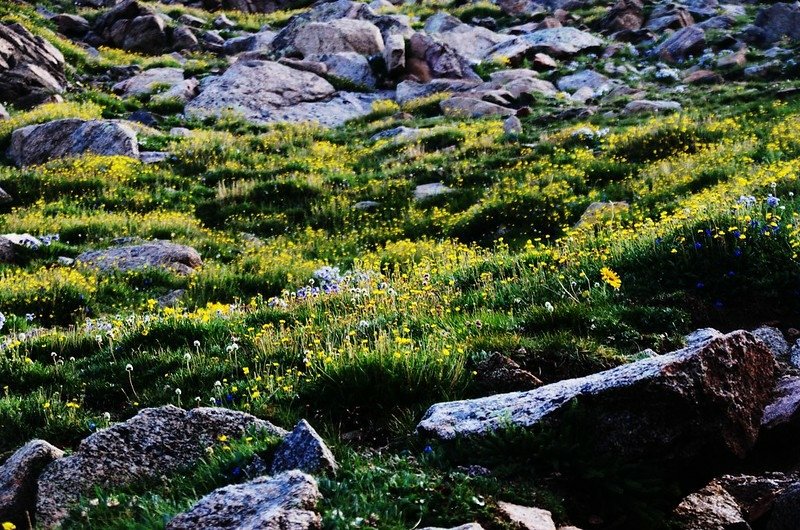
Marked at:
<point>160,254</point>
<point>184,38</point>
<point>7,251</point>
<point>66,261</point>
<point>24,240</point>
<point>471,42</point>
<point>343,35</point>
<point>71,25</point>
<point>428,191</point>
<point>644,106</point>
<point>350,66</point>
<point>366,205</point>
<point>527,518</point>
<point>191,20</point>
<point>155,442</point>
<point>708,397</point>
<point>512,126</point>
<point>431,58</point>
<point>596,81</point>
<point>701,336</point>
<point>779,20</point>
<point>681,44</point>
<point>148,81</point>
<point>257,90</point>
<point>399,134</point>
<point>18,478</point>
<point>411,90</point>
<point>774,340</point>
<point>468,526</point>
<point>133,27</point>
<point>284,502</point>
<point>31,69</point>
<point>5,198</point>
<point>394,53</point>
<point>36,144</point>
<point>785,405</point>
<point>305,450</point>
<point>181,92</point>
<point>519,82</point>
<point>464,107</point>
<point>332,112</point>
<point>557,42</point>
<point>153,157</point>
<point>4,115</point>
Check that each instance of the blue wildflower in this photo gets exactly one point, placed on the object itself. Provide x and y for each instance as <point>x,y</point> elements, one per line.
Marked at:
<point>772,201</point>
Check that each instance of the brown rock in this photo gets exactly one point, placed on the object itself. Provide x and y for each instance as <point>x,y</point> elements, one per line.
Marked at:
<point>703,77</point>
<point>18,480</point>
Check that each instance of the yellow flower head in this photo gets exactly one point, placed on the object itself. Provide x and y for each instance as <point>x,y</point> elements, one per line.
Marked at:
<point>610,277</point>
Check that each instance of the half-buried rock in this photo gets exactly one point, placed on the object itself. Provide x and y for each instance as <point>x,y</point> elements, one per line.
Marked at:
<point>18,477</point>
<point>701,400</point>
<point>283,502</point>
<point>154,443</point>
<point>157,254</point>
<point>36,144</point>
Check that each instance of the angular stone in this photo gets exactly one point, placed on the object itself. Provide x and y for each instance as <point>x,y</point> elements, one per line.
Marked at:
<point>472,108</point>
<point>284,502</point>
<point>557,42</point>
<point>512,126</point>
<point>779,20</point>
<point>774,340</point>
<point>711,508</point>
<point>31,69</point>
<point>305,450</point>
<point>155,442</point>
<point>586,78</point>
<point>349,66</point>
<point>785,406</point>
<point>36,144</point>
<point>427,191</point>
<point>430,59</point>
<point>411,90</point>
<point>701,336</point>
<point>703,77</point>
<point>255,89</point>
<point>148,81</point>
<point>681,44</point>
<point>700,399</point>
<point>343,35</point>
<point>18,479</point>
<point>527,518</point>
<point>71,25</point>
<point>471,42</point>
<point>643,106</point>
<point>394,53</point>
<point>158,254</point>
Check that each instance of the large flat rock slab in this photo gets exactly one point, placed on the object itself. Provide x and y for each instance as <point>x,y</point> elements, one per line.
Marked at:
<point>707,397</point>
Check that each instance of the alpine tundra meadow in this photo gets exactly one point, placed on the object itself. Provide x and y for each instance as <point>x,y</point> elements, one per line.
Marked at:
<point>401,265</point>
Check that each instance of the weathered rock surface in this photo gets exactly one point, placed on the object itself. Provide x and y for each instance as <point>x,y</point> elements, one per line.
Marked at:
<point>148,81</point>
<point>71,25</point>
<point>153,443</point>
<point>18,479</point>
<point>643,106</point>
<point>343,35</point>
<point>471,42</point>
<point>527,518</point>
<point>682,44</point>
<point>160,254</point>
<point>410,90</point>
<point>261,91</point>
<point>702,398</point>
<point>472,108</point>
<point>305,450</point>
<point>468,526</point>
<point>711,508</point>
<point>284,502</point>
<point>775,342</point>
<point>558,42</point>
<point>349,66</point>
<point>31,69</point>
<point>430,58</point>
<point>133,27</point>
<point>424,192</point>
<point>498,373</point>
<point>784,409</point>
<point>36,144</point>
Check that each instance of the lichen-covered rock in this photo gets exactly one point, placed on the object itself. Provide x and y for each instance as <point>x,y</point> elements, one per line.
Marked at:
<point>31,69</point>
<point>155,442</point>
<point>527,518</point>
<point>558,42</point>
<point>18,479</point>
<point>700,399</point>
<point>349,66</point>
<point>471,42</point>
<point>642,106</point>
<point>36,144</point>
<point>160,254</point>
<point>464,107</point>
<point>711,508</point>
<point>774,340</point>
<point>283,502</point>
<point>258,90</point>
<point>305,450</point>
<point>343,35</point>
